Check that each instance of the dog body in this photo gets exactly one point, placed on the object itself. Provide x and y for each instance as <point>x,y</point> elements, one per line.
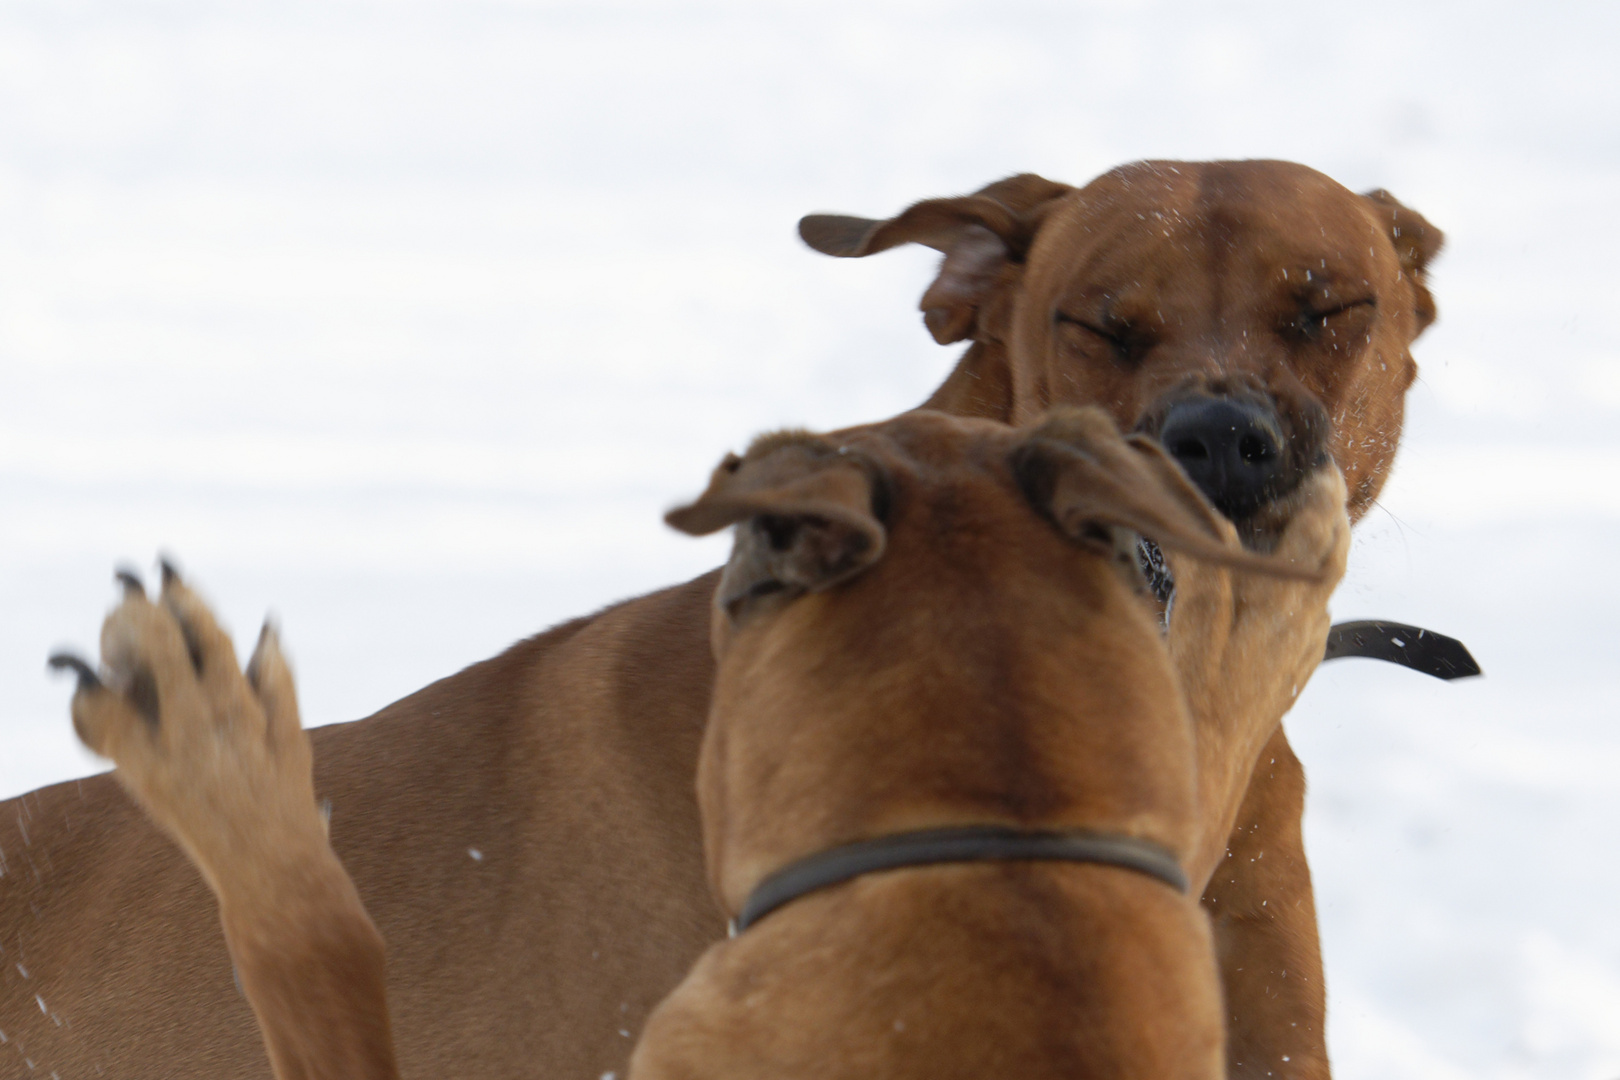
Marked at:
<point>983,667</point>
<point>1241,311</point>
<point>566,763</point>
<point>928,622</point>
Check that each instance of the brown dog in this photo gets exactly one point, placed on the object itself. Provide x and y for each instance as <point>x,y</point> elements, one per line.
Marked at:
<point>1240,310</point>
<point>1167,280</point>
<point>930,623</point>
<point>566,763</point>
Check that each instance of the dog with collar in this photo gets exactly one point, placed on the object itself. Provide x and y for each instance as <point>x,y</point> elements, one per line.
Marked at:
<point>1247,313</point>
<point>944,714</point>
<point>569,757</point>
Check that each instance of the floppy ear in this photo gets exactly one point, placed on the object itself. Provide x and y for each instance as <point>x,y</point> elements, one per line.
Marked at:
<point>804,513</point>
<point>1089,480</point>
<point>979,235</point>
<point>1416,244</point>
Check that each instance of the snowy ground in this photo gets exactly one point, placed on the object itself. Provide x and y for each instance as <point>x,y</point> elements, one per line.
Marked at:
<point>406,320</point>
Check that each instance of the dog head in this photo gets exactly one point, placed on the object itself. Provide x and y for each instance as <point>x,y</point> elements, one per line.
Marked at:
<point>927,612</point>
<point>1249,312</point>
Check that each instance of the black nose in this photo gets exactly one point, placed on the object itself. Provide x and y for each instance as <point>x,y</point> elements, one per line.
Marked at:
<point>1233,450</point>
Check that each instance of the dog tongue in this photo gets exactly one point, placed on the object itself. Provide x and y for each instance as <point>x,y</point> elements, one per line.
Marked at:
<point>1410,646</point>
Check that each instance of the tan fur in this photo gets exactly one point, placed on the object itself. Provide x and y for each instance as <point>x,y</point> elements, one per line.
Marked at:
<point>980,662</point>
<point>567,763</point>
<point>1204,274</point>
<point>219,760</point>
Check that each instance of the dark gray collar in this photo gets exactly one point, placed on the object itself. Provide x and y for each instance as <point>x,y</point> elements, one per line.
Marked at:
<point>1409,646</point>
<point>967,843</point>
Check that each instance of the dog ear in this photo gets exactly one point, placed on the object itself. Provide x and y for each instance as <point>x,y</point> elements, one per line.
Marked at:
<point>1078,470</point>
<point>1416,244</point>
<point>979,235</point>
<point>805,513</point>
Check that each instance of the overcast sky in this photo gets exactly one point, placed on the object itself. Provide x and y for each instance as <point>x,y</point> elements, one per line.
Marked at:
<point>407,320</point>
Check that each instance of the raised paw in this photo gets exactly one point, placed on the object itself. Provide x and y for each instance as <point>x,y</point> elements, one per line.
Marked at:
<point>215,755</point>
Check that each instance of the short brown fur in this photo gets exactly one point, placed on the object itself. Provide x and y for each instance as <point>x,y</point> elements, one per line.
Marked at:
<point>974,657</point>
<point>1162,279</point>
<point>583,740</point>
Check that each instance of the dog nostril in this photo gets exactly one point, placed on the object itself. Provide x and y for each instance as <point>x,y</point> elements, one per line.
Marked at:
<point>1255,450</point>
<point>1189,450</point>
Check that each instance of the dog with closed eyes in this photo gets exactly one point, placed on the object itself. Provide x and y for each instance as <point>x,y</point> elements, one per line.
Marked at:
<point>1187,299</point>
<point>950,786</point>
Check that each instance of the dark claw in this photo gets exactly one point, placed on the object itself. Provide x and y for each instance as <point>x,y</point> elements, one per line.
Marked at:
<point>193,646</point>
<point>65,661</point>
<point>252,671</point>
<point>171,576</point>
<point>131,581</point>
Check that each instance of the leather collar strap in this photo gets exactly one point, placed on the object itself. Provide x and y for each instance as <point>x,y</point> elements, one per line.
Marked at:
<point>1410,646</point>
<point>969,843</point>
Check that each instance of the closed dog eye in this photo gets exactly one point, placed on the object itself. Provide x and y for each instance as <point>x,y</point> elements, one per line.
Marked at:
<point>1316,322</point>
<point>1127,345</point>
<point>1340,309</point>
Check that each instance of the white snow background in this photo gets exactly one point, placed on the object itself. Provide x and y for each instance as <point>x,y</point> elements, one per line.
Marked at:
<point>407,320</point>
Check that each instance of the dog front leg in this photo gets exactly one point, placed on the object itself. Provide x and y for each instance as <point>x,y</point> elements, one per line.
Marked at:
<point>1263,911</point>
<point>218,759</point>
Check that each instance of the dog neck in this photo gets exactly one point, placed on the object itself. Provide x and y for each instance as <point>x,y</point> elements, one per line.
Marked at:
<point>845,717</point>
